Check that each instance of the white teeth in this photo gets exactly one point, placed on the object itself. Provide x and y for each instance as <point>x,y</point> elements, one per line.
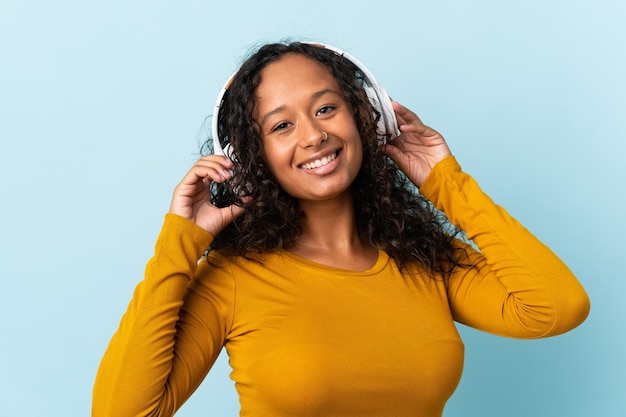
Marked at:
<point>320,162</point>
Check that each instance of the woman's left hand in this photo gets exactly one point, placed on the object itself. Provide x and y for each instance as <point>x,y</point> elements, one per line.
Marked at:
<point>418,148</point>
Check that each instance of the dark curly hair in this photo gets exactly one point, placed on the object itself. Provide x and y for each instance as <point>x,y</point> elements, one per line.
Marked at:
<point>390,211</point>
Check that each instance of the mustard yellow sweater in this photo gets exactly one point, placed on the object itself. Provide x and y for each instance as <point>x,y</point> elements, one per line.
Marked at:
<point>305,339</point>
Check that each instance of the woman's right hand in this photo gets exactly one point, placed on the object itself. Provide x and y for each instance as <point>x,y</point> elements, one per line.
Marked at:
<point>192,196</point>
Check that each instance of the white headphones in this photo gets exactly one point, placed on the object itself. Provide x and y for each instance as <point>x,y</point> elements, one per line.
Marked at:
<point>387,127</point>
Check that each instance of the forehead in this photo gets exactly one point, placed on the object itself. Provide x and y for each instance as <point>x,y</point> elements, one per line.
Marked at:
<point>293,72</point>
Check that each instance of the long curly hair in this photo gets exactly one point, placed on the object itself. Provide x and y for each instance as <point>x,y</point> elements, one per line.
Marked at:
<point>390,211</point>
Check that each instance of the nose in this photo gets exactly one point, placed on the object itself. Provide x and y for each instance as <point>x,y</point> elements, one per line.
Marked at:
<point>311,134</point>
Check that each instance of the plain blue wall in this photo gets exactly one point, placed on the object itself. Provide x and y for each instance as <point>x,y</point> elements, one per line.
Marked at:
<point>102,107</point>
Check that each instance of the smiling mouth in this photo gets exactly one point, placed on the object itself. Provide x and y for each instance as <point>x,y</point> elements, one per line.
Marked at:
<point>320,162</point>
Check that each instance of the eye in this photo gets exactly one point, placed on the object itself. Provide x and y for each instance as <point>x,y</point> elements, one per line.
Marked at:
<point>280,126</point>
<point>325,110</point>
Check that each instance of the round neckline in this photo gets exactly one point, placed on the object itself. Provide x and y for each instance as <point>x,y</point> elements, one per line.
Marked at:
<point>379,265</point>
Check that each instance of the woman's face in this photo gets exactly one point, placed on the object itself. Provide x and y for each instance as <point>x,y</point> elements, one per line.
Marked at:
<point>310,139</point>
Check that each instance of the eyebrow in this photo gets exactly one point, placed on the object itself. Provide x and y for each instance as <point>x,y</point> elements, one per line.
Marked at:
<point>278,109</point>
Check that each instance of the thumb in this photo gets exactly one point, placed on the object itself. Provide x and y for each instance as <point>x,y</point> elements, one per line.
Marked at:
<point>230,213</point>
<point>394,153</point>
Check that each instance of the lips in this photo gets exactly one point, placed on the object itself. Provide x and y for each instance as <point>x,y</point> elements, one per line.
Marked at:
<point>320,162</point>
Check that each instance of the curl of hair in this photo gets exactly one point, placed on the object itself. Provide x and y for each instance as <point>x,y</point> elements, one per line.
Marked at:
<point>390,211</point>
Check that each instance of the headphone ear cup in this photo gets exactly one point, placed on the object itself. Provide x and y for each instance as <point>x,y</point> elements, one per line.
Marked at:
<point>227,151</point>
<point>387,126</point>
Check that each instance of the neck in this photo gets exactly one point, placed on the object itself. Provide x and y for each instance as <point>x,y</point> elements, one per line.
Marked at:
<point>329,224</point>
<point>330,236</point>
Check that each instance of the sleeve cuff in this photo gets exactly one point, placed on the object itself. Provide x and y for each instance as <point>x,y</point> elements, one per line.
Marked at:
<point>442,169</point>
<point>180,238</point>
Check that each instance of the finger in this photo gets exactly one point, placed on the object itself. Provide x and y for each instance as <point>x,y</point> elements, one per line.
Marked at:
<point>217,163</point>
<point>226,216</point>
<point>218,159</point>
<point>203,170</point>
<point>404,114</point>
<point>393,152</point>
<point>234,211</point>
<point>419,128</point>
<point>396,107</point>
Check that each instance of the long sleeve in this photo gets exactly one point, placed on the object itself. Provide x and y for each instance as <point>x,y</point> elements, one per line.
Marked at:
<point>169,336</point>
<point>520,288</point>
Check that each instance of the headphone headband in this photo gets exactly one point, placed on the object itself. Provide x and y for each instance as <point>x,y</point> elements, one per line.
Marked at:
<point>386,129</point>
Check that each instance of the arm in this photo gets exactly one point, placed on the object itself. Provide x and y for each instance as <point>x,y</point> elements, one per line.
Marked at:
<point>520,288</point>
<point>163,347</point>
<point>176,322</point>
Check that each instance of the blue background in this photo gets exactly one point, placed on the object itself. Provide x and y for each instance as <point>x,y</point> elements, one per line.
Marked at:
<point>103,105</point>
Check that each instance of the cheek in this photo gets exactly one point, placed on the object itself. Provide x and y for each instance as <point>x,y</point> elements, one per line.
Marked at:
<point>358,149</point>
<point>276,159</point>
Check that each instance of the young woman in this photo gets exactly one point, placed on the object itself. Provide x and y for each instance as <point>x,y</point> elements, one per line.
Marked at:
<point>331,282</point>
